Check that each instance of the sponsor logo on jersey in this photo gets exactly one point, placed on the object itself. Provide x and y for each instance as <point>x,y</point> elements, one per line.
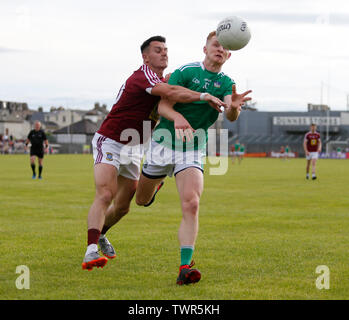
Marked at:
<point>217,84</point>
<point>195,80</point>
<point>109,156</point>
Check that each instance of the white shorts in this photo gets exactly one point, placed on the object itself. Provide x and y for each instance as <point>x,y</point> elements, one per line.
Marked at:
<point>161,161</point>
<point>312,155</point>
<point>126,159</point>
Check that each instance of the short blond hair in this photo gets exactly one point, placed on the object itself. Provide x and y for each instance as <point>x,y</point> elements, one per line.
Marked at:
<point>210,35</point>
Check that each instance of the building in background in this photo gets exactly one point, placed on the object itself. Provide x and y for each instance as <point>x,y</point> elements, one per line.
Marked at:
<point>264,132</point>
<point>63,117</point>
<point>13,119</point>
<point>77,137</point>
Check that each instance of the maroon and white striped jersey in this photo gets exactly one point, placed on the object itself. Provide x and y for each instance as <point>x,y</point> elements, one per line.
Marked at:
<point>312,141</point>
<point>134,104</point>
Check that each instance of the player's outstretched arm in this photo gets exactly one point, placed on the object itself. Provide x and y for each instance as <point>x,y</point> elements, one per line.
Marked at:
<point>231,112</point>
<point>185,95</point>
<point>182,127</point>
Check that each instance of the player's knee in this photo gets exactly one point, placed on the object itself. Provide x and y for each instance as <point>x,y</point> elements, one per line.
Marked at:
<point>141,200</point>
<point>143,195</point>
<point>191,206</point>
<point>105,196</point>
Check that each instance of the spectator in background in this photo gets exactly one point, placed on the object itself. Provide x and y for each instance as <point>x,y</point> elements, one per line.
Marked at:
<point>282,152</point>
<point>5,142</point>
<point>1,144</point>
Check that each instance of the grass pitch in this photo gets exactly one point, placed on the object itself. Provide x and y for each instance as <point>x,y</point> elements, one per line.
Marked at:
<point>263,231</point>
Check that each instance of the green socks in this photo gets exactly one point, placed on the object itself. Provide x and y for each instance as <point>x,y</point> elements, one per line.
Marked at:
<point>186,254</point>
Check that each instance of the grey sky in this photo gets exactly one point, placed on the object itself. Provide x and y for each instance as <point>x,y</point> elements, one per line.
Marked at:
<point>290,17</point>
<point>73,53</point>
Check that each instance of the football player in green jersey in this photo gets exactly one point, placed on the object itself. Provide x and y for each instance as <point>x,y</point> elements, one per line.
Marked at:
<point>287,152</point>
<point>241,152</point>
<point>179,143</point>
<point>236,150</point>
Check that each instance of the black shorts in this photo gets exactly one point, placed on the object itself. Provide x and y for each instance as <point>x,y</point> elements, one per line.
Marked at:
<point>39,152</point>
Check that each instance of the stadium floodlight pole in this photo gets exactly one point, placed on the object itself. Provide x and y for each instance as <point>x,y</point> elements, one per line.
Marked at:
<point>328,107</point>
<point>327,127</point>
<point>71,123</point>
<point>69,137</point>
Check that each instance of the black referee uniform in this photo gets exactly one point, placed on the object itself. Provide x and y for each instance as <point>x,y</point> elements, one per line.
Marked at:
<point>37,139</point>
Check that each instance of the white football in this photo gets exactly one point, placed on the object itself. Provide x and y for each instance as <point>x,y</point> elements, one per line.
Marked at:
<point>233,33</point>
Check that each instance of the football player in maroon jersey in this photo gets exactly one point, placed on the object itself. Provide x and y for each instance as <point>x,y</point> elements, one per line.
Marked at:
<point>118,145</point>
<point>312,147</point>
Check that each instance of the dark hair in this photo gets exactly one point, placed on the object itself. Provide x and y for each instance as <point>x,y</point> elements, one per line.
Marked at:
<point>146,43</point>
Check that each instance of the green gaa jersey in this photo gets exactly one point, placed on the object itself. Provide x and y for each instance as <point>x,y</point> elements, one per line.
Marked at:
<point>199,114</point>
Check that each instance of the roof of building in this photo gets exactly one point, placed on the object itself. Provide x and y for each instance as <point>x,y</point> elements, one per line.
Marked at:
<point>11,118</point>
<point>37,116</point>
<point>84,126</point>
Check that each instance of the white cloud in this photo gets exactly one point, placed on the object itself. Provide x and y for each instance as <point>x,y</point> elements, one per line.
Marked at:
<point>82,51</point>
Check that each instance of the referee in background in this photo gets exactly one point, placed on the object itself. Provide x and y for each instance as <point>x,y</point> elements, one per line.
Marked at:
<point>37,139</point>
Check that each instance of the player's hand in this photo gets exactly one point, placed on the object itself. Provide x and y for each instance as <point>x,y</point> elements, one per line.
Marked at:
<point>183,128</point>
<point>239,99</point>
<point>214,102</point>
